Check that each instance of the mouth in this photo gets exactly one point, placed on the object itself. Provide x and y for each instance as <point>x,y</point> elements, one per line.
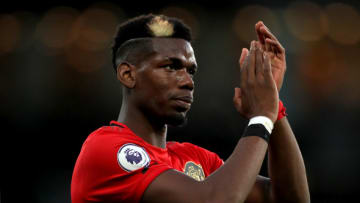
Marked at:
<point>183,102</point>
<point>185,99</point>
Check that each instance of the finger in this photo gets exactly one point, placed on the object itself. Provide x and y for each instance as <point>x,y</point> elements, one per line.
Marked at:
<point>237,99</point>
<point>251,64</point>
<point>263,31</point>
<point>259,60</point>
<point>276,44</point>
<point>267,33</point>
<point>243,67</point>
<point>259,34</point>
<point>268,46</point>
<point>267,67</point>
<point>244,53</point>
<point>237,93</point>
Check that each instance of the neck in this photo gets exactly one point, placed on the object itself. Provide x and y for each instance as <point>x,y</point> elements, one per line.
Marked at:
<point>152,132</point>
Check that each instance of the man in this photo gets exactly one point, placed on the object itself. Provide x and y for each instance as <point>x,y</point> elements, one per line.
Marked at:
<point>130,161</point>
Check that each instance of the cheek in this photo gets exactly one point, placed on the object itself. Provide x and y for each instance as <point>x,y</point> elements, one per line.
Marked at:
<point>162,91</point>
<point>155,88</point>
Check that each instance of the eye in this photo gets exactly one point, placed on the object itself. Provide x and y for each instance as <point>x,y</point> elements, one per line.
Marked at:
<point>191,71</point>
<point>170,67</point>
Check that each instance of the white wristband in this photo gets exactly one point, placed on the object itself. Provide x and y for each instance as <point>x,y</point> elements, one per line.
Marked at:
<point>265,121</point>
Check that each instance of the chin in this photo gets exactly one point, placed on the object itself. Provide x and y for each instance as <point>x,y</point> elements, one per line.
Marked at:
<point>177,120</point>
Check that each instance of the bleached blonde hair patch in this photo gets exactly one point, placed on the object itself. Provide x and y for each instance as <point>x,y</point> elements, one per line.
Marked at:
<point>161,27</point>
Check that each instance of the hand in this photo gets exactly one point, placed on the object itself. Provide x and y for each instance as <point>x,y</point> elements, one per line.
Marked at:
<point>257,95</point>
<point>271,45</point>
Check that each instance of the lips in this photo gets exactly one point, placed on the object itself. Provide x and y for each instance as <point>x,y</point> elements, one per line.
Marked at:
<point>183,102</point>
<point>186,99</point>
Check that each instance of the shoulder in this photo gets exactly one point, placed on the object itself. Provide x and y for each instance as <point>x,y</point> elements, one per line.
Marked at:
<point>109,135</point>
<point>112,150</point>
<point>182,145</point>
<point>187,147</point>
<point>106,145</point>
<point>114,164</point>
<point>194,156</point>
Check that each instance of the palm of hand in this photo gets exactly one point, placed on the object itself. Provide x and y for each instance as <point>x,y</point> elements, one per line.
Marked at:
<point>278,68</point>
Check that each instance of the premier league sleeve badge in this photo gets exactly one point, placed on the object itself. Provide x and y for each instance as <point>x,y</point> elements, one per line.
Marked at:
<point>132,157</point>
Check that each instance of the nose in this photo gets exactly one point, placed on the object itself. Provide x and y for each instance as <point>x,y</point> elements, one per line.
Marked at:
<point>185,80</point>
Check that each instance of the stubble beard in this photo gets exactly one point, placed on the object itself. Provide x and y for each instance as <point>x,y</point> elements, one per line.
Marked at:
<point>177,121</point>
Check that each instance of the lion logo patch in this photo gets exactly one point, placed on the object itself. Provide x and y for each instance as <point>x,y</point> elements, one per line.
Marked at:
<point>132,157</point>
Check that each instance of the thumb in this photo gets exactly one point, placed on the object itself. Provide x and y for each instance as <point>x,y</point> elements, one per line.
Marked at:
<point>237,99</point>
<point>243,55</point>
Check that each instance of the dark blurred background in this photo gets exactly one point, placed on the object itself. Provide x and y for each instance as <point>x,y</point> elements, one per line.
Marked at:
<point>57,85</point>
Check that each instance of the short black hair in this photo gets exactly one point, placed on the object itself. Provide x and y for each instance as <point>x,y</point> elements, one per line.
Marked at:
<point>137,32</point>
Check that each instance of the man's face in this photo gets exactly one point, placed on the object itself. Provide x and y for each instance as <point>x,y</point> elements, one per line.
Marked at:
<point>164,81</point>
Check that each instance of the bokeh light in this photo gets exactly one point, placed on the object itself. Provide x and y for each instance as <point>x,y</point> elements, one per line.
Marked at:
<point>322,69</point>
<point>9,33</point>
<point>306,21</point>
<point>94,29</point>
<point>55,28</point>
<point>29,24</point>
<point>246,18</point>
<point>110,7</point>
<point>344,23</point>
<point>93,32</point>
<point>188,17</point>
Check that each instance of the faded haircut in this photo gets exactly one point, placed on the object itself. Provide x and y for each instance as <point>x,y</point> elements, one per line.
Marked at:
<point>134,36</point>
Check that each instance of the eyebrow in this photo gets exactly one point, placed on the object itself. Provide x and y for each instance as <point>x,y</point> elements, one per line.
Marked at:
<point>179,62</point>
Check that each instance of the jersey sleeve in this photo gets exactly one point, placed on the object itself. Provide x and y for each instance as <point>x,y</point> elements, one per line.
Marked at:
<point>209,159</point>
<point>113,171</point>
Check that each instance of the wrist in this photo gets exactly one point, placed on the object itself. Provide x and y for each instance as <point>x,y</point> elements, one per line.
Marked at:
<point>265,121</point>
<point>260,126</point>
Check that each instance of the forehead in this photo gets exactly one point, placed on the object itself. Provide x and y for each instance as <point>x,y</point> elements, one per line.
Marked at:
<point>173,47</point>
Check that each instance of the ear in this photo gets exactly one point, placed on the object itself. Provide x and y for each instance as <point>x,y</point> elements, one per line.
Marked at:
<point>126,75</point>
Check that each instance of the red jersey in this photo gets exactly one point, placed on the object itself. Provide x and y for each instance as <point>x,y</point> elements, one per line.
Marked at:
<point>115,165</point>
